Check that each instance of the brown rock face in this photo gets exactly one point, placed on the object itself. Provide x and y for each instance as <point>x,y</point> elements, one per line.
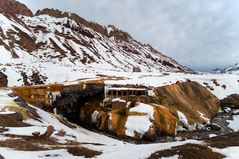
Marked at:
<point>3,80</point>
<point>14,7</point>
<point>165,121</point>
<point>230,101</point>
<point>190,98</point>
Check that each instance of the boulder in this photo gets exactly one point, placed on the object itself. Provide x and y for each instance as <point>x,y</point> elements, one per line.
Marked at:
<point>36,134</point>
<point>136,69</point>
<point>231,101</point>
<point>215,127</point>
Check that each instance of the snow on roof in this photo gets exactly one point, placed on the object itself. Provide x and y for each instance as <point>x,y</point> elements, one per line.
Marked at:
<point>125,88</point>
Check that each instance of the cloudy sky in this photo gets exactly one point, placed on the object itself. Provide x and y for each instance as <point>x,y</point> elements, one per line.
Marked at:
<point>201,34</point>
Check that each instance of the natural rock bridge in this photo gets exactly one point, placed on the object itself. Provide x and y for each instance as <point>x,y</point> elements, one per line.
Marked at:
<point>63,99</point>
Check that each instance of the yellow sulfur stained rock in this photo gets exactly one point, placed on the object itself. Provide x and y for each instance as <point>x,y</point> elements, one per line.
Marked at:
<point>197,103</point>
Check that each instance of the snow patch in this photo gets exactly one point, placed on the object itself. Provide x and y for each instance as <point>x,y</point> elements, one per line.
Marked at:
<point>139,124</point>
<point>94,116</point>
<point>183,119</point>
<point>234,124</point>
<point>203,117</point>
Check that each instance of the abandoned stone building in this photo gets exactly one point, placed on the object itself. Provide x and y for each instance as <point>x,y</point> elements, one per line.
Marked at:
<point>118,97</point>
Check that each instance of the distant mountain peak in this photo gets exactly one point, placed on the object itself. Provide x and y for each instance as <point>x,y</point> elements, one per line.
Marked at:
<point>233,69</point>
<point>14,7</point>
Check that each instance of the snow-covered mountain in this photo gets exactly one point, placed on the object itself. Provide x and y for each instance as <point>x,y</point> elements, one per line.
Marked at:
<point>53,46</point>
<point>234,69</point>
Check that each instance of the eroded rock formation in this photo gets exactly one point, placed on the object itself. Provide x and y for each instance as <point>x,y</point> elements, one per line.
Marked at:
<point>197,103</point>
<point>140,122</point>
<point>181,106</point>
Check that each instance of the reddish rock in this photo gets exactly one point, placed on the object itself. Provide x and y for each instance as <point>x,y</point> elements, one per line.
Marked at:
<point>14,7</point>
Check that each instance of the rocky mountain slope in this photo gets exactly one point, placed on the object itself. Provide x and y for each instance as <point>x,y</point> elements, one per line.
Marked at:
<point>40,48</point>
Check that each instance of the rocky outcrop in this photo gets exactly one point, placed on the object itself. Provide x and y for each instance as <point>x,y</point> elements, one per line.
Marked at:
<point>3,80</point>
<point>140,122</point>
<point>193,100</point>
<point>231,101</point>
<point>14,7</point>
<point>13,119</point>
<point>119,34</point>
<point>181,106</point>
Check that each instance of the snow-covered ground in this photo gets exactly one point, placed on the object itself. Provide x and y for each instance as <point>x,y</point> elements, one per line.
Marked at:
<point>229,152</point>
<point>234,124</point>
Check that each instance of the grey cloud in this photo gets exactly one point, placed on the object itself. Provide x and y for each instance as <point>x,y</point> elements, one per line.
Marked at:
<point>201,34</point>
